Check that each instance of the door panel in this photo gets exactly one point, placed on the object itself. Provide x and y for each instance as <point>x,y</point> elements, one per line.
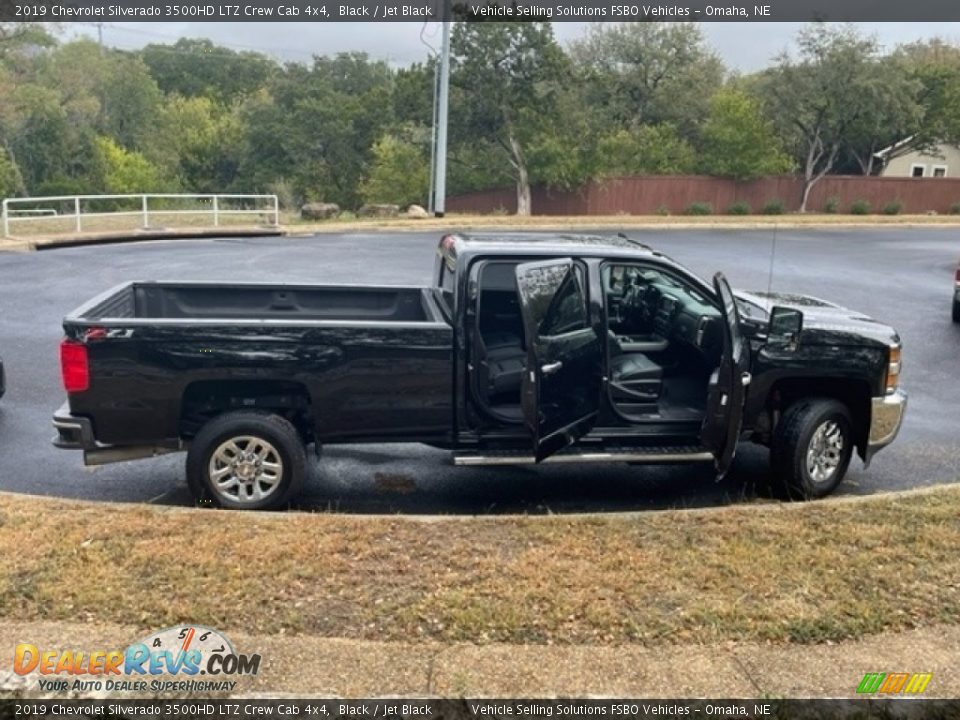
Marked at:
<point>561,385</point>
<point>728,385</point>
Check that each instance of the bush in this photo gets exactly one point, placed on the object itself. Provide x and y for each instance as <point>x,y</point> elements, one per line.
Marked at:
<point>664,210</point>
<point>399,174</point>
<point>860,207</point>
<point>738,208</point>
<point>955,209</point>
<point>773,207</point>
<point>893,207</point>
<point>700,208</point>
<point>832,205</point>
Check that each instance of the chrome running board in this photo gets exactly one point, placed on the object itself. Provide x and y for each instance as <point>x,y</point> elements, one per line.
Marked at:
<point>653,456</point>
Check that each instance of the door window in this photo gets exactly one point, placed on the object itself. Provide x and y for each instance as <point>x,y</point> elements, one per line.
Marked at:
<point>568,311</point>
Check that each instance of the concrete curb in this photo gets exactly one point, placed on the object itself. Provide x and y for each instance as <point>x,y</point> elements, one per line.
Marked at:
<point>339,667</point>
<point>771,506</point>
<point>21,244</point>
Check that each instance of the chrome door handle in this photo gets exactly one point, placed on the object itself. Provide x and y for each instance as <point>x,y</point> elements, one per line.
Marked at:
<point>551,368</point>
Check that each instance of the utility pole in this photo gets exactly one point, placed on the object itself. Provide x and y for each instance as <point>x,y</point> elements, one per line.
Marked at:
<point>433,142</point>
<point>443,101</point>
<point>100,36</point>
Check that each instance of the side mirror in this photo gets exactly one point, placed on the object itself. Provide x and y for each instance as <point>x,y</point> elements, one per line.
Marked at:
<point>785,326</point>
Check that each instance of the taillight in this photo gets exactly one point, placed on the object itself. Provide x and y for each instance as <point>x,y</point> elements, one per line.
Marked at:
<point>893,369</point>
<point>74,366</point>
<point>956,277</point>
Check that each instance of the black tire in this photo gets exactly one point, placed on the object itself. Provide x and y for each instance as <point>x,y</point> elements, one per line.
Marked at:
<point>791,468</point>
<point>956,311</point>
<point>271,469</point>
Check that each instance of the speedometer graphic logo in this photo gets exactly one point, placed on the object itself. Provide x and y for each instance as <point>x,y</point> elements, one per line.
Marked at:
<point>189,650</point>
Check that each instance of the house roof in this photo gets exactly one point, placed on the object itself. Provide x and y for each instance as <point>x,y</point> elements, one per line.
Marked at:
<point>890,148</point>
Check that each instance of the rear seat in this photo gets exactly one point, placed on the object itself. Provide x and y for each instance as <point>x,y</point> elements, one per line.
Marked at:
<point>506,360</point>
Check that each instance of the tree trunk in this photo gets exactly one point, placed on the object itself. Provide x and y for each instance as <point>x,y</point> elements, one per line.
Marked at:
<point>21,189</point>
<point>812,176</point>
<point>524,202</point>
<point>807,187</point>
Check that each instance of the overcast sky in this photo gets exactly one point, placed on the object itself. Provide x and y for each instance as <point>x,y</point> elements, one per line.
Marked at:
<point>742,46</point>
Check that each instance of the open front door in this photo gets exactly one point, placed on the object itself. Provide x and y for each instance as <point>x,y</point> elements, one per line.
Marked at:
<point>561,383</point>
<point>728,385</point>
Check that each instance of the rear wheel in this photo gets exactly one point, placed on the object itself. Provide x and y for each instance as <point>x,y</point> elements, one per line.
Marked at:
<point>812,447</point>
<point>246,461</point>
<point>956,310</point>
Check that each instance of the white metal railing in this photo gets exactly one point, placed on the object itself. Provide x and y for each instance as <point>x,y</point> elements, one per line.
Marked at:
<point>215,207</point>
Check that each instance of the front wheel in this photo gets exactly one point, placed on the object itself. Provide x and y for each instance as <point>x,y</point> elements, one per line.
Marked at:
<point>246,461</point>
<point>812,447</point>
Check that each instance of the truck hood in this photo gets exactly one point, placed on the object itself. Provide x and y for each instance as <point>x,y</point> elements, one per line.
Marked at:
<point>827,322</point>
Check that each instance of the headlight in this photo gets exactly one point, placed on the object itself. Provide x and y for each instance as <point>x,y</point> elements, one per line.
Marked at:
<point>893,369</point>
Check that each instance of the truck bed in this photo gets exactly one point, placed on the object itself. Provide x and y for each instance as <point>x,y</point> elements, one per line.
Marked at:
<point>378,360</point>
<point>257,302</point>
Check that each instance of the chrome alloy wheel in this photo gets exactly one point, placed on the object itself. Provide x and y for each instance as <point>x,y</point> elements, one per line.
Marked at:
<point>825,452</point>
<point>245,469</point>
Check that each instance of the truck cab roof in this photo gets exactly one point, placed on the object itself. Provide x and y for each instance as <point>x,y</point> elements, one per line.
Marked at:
<point>533,244</point>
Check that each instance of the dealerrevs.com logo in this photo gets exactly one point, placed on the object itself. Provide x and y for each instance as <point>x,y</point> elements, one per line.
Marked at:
<point>894,683</point>
<point>171,660</point>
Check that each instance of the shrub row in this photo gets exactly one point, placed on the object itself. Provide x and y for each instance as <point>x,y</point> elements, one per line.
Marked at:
<point>772,207</point>
<point>777,207</point>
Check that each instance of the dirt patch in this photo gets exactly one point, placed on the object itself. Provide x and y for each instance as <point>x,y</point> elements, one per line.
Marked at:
<point>820,572</point>
<point>395,483</point>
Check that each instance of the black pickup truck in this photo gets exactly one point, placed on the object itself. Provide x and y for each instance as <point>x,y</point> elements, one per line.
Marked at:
<point>526,349</point>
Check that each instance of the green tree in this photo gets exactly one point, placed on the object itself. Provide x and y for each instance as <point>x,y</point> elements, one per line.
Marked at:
<point>203,143</point>
<point>897,115</point>
<point>644,150</point>
<point>41,139</point>
<point>507,76</point>
<point>197,67</point>
<point>399,173</point>
<point>122,171</point>
<point>10,180</point>
<point>16,37</point>
<point>818,99</point>
<point>649,73</point>
<point>738,141</point>
<point>131,103</point>
<point>933,68</point>
<point>316,127</point>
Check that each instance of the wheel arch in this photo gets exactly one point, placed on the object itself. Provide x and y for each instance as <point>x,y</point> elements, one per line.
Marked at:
<point>854,393</point>
<point>203,400</point>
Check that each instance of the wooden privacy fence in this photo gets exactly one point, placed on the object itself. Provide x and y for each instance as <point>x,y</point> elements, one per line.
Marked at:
<point>652,194</point>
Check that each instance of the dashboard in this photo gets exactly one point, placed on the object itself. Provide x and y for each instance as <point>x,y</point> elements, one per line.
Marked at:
<point>671,313</point>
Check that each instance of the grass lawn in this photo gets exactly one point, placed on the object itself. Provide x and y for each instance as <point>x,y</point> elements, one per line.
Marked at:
<point>810,573</point>
<point>51,229</point>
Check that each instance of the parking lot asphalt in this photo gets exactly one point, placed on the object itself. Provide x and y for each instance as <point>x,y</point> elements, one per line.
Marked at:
<point>900,276</point>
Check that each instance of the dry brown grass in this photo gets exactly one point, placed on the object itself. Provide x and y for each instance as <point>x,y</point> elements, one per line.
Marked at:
<point>455,221</point>
<point>824,571</point>
<point>66,226</point>
<point>53,230</point>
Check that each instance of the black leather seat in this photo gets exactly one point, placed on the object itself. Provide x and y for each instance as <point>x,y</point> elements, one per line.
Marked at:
<point>506,360</point>
<point>634,366</point>
<point>635,377</point>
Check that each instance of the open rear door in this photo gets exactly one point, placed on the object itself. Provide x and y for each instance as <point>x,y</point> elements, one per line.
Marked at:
<point>728,385</point>
<point>561,384</point>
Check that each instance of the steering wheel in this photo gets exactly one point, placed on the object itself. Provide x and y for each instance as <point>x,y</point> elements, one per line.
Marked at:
<point>639,303</point>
